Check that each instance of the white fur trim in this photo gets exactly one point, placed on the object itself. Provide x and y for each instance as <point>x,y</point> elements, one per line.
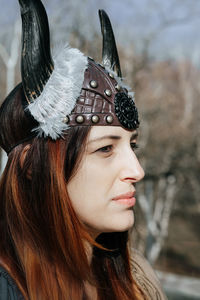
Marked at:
<point>121,83</point>
<point>60,93</point>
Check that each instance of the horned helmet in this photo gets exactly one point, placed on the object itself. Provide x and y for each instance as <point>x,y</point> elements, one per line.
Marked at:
<point>67,90</point>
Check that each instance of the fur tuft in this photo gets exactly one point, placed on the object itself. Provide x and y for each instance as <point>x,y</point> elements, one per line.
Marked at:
<point>59,96</point>
<point>121,83</point>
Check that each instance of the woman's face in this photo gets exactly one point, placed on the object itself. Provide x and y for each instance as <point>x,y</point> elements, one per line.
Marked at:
<point>102,190</point>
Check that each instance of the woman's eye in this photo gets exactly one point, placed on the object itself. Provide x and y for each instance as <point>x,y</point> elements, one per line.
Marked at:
<point>105,149</point>
<point>134,146</point>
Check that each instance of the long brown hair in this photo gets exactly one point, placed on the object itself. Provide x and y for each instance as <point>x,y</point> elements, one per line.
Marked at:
<point>42,239</point>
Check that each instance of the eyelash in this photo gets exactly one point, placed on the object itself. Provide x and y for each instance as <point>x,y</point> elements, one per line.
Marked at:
<point>134,146</point>
<point>107,149</point>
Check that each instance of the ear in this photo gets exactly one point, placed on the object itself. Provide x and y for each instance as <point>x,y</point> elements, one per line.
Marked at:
<point>22,159</point>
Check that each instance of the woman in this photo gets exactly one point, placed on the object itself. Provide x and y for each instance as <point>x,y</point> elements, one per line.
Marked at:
<point>67,192</point>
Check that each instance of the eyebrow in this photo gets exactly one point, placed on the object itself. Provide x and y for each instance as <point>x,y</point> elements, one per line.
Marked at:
<point>113,137</point>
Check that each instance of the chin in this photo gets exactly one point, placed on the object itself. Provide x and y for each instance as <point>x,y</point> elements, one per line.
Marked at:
<point>115,223</point>
<point>124,223</point>
<point>126,227</point>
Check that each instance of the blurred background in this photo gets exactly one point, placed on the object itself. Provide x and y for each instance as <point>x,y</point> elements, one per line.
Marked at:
<point>159,48</point>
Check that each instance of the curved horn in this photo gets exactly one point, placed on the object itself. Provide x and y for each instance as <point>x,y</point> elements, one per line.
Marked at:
<point>36,61</point>
<point>110,56</point>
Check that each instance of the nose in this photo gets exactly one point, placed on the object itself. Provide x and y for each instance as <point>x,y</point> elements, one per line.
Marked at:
<point>131,170</point>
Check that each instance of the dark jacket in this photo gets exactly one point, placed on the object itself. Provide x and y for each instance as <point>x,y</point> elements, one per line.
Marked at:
<point>8,289</point>
<point>141,270</point>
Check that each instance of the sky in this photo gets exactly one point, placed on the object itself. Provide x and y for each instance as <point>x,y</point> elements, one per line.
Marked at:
<point>172,26</point>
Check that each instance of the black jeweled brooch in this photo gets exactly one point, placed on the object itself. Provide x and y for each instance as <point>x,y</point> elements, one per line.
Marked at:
<point>126,111</point>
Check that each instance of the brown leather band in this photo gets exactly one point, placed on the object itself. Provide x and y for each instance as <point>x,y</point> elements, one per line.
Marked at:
<point>96,103</point>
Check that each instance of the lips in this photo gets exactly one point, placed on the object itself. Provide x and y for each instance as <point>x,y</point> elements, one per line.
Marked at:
<point>125,196</point>
<point>127,199</point>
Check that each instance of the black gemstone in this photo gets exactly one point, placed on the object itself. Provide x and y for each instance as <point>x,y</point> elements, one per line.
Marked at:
<point>126,111</point>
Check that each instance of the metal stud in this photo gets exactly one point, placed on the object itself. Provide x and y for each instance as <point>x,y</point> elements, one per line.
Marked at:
<point>79,119</point>
<point>118,87</point>
<point>109,119</point>
<point>66,120</point>
<point>111,75</point>
<point>108,92</point>
<point>93,83</point>
<point>95,119</point>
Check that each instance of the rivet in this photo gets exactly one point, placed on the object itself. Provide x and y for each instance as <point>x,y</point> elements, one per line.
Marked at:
<point>108,92</point>
<point>79,119</point>
<point>111,75</point>
<point>95,119</point>
<point>109,119</point>
<point>66,120</point>
<point>93,83</point>
<point>118,87</point>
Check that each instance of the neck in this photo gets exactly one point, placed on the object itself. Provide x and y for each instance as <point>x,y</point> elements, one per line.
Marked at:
<point>88,247</point>
<point>90,289</point>
<point>89,251</point>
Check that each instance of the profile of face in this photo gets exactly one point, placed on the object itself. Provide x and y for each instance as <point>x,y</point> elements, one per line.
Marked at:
<point>103,187</point>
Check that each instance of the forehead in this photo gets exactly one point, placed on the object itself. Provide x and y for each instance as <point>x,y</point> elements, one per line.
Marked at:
<point>100,131</point>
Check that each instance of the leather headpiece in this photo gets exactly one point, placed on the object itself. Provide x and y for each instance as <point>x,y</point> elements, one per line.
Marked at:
<point>103,101</point>
<point>71,89</point>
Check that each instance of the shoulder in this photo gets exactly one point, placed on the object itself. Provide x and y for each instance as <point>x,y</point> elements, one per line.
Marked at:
<point>8,288</point>
<point>145,276</point>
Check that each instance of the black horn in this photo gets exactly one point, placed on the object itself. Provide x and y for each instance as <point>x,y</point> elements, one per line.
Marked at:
<point>110,56</point>
<point>36,61</point>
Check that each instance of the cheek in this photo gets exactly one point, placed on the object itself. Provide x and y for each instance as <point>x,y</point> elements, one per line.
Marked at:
<point>83,189</point>
<point>85,200</point>
<point>90,180</point>
<point>90,191</point>
<point>90,195</point>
